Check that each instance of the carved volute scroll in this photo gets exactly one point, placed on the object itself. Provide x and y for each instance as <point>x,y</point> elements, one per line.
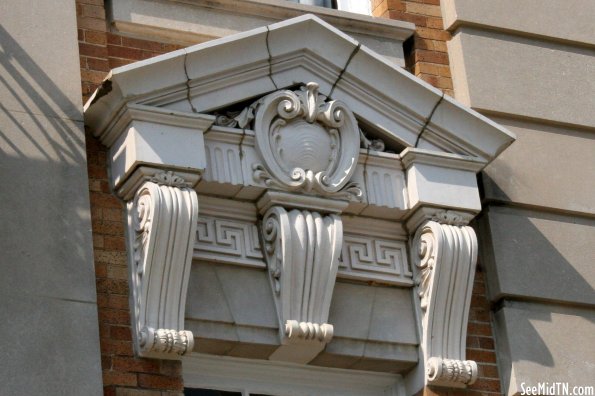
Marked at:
<point>445,256</point>
<point>302,250</point>
<point>306,143</point>
<point>308,148</point>
<point>162,222</point>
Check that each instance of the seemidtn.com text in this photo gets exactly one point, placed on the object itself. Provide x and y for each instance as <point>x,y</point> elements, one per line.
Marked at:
<point>556,389</point>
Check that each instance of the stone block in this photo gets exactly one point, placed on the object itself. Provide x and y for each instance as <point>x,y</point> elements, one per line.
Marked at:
<point>350,310</point>
<point>249,296</point>
<point>230,294</point>
<point>38,78</point>
<point>380,314</point>
<point>45,238</point>
<point>206,299</point>
<point>557,173</point>
<point>536,17</point>
<point>391,305</point>
<point>148,143</point>
<point>442,187</point>
<point>533,255</point>
<point>50,347</point>
<point>541,343</point>
<point>509,74</point>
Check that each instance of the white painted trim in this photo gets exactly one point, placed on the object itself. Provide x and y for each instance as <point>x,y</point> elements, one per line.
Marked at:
<point>285,379</point>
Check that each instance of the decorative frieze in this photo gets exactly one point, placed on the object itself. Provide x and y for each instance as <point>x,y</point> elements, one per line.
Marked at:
<point>228,241</point>
<point>445,257</point>
<point>372,250</point>
<point>166,342</point>
<point>375,259</point>
<point>162,226</point>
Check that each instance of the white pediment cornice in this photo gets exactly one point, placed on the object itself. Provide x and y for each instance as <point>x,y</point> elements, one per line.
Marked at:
<point>287,122</point>
<point>207,76</point>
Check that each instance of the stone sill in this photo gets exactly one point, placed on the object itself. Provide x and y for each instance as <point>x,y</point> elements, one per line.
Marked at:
<point>190,22</point>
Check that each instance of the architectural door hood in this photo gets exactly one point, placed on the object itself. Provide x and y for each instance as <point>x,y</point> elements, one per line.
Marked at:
<point>321,148</point>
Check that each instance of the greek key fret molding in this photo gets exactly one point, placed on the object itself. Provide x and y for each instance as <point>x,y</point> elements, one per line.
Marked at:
<point>445,256</point>
<point>162,220</point>
<point>228,241</point>
<point>363,258</point>
<point>375,259</point>
<point>302,252</point>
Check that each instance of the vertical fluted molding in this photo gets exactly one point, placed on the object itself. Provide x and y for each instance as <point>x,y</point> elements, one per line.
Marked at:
<point>445,256</point>
<point>302,250</point>
<point>162,221</point>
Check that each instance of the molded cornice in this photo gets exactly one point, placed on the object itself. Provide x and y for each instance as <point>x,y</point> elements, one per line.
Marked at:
<point>254,63</point>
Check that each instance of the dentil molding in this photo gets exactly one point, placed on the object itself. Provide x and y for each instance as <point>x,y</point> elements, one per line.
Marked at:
<point>162,221</point>
<point>445,254</point>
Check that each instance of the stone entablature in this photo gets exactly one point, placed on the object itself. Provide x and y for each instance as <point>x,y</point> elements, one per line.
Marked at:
<point>292,185</point>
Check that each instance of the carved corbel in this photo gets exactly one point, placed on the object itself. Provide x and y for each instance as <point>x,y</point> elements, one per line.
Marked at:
<point>162,220</point>
<point>302,251</point>
<point>445,254</point>
<point>308,148</point>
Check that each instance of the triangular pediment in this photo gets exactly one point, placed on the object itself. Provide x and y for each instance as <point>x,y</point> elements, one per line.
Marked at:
<point>397,107</point>
<point>272,131</point>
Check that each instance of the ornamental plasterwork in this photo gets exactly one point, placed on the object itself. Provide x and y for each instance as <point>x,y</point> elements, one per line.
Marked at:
<point>307,144</point>
<point>445,257</point>
<point>302,250</point>
<point>382,259</point>
<point>309,147</point>
<point>162,225</point>
<point>228,241</point>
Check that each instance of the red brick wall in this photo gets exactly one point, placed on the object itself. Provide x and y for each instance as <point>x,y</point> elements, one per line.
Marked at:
<point>123,374</point>
<point>426,53</point>
<point>100,51</point>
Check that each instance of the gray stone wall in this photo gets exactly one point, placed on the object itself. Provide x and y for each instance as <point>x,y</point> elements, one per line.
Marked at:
<point>48,312</point>
<point>530,66</point>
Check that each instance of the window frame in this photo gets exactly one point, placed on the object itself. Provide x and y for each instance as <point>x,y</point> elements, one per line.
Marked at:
<point>249,376</point>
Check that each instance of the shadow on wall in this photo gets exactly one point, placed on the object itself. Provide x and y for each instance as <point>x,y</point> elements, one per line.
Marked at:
<point>28,89</point>
<point>539,268</point>
<point>46,230</point>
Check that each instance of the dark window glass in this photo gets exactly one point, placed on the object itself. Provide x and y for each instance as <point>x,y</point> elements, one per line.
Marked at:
<point>209,392</point>
<point>319,3</point>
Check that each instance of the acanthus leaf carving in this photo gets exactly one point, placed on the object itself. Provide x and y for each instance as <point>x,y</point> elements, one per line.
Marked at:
<point>162,226</point>
<point>451,217</point>
<point>445,257</point>
<point>302,250</point>
<point>169,179</point>
<point>307,144</point>
<point>372,144</point>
